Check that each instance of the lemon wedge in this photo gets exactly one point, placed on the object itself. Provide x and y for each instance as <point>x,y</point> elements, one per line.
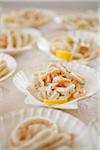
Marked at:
<point>9,20</point>
<point>62,54</point>
<point>51,102</point>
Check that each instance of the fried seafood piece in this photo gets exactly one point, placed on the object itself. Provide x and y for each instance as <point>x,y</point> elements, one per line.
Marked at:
<point>74,45</point>
<point>28,17</point>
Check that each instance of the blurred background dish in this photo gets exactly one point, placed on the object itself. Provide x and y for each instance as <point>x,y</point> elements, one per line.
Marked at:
<point>65,122</point>
<point>72,45</point>
<point>14,41</point>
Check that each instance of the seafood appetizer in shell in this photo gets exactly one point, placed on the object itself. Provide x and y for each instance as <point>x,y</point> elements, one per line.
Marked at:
<point>75,45</point>
<point>27,17</point>
<point>14,40</point>
<point>87,21</point>
<point>58,85</point>
<point>40,134</point>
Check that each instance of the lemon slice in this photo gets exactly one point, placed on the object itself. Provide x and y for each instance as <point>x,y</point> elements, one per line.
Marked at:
<point>9,20</point>
<point>50,102</point>
<point>62,54</point>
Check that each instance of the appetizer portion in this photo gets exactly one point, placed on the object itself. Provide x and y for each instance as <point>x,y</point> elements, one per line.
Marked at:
<point>75,45</point>
<point>27,17</point>
<point>4,69</point>
<point>87,20</point>
<point>13,39</point>
<point>40,134</point>
<point>57,85</point>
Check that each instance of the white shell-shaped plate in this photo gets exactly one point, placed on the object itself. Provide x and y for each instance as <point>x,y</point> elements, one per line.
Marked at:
<point>92,85</point>
<point>34,33</point>
<point>11,63</point>
<point>65,121</point>
<point>46,44</point>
